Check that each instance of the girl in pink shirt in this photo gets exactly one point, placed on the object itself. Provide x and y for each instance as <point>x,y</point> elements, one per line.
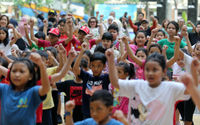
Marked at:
<point>125,71</point>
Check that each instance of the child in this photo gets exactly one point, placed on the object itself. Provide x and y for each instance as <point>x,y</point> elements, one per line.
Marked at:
<point>125,71</point>
<point>156,35</point>
<point>186,108</point>
<point>191,83</point>
<point>140,39</point>
<point>54,35</point>
<point>114,30</point>
<point>172,30</point>
<point>101,107</point>
<point>144,26</point>
<point>138,58</point>
<point>73,91</point>
<point>155,98</point>
<point>5,44</point>
<point>22,96</point>
<point>94,82</point>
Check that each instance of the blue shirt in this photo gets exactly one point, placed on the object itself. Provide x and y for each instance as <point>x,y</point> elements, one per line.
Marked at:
<point>91,121</point>
<point>89,81</point>
<point>19,108</point>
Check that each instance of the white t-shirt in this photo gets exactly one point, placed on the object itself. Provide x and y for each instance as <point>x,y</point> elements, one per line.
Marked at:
<point>152,106</point>
<point>7,49</point>
<point>187,60</point>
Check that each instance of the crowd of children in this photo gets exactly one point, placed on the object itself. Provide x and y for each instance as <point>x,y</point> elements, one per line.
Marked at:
<point>107,77</point>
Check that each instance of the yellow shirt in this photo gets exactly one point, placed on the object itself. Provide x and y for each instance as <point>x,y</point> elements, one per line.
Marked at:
<point>48,102</point>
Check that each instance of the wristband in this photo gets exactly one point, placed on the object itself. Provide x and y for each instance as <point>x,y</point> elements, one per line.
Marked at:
<point>67,114</point>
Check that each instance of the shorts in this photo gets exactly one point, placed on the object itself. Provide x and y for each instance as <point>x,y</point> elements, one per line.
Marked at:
<point>186,109</point>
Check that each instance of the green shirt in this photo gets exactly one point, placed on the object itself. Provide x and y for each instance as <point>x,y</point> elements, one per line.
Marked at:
<point>36,47</point>
<point>170,50</point>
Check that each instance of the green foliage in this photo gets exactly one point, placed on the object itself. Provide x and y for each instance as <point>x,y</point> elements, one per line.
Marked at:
<point>38,3</point>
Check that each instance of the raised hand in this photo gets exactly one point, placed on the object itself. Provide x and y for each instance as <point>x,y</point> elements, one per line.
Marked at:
<point>84,46</point>
<point>165,47</point>
<point>154,31</point>
<point>110,54</point>
<point>45,23</point>
<point>125,40</point>
<point>70,105</point>
<point>36,58</point>
<point>184,31</point>
<point>31,22</point>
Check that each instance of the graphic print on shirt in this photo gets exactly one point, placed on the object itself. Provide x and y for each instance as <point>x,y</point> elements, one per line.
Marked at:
<point>139,114</point>
<point>76,94</point>
<point>93,86</point>
<point>22,103</point>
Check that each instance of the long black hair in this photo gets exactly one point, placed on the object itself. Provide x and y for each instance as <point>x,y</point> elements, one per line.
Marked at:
<point>6,40</point>
<point>30,66</point>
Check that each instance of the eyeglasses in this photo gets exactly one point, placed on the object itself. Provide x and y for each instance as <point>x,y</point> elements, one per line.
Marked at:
<point>92,21</point>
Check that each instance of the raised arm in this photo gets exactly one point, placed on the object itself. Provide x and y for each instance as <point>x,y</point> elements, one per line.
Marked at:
<point>191,82</point>
<point>134,27</point>
<point>69,29</point>
<point>176,52</point>
<point>27,35</point>
<point>112,68</point>
<point>45,84</point>
<point>45,29</point>
<point>56,77</point>
<point>3,71</point>
<point>69,106</point>
<point>76,68</point>
<point>2,54</point>
<point>31,22</point>
<point>154,23</point>
<point>153,33</point>
<point>193,26</point>
<point>184,33</point>
<point>130,52</point>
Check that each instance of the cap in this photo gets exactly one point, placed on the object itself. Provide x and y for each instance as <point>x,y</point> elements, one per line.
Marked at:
<point>144,21</point>
<point>85,29</point>
<point>52,12</point>
<point>62,13</point>
<point>54,31</point>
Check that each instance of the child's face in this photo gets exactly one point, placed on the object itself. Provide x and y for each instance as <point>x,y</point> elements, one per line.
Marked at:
<point>160,36</point>
<point>197,51</point>
<point>145,25</point>
<point>99,111</point>
<point>61,27</point>
<point>140,39</point>
<point>154,49</point>
<point>171,30</point>
<point>153,73</point>
<point>121,73</point>
<point>114,34</point>
<point>20,75</point>
<point>50,60</point>
<point>110,21</point>
<point>141,55</point>
<point>97,66</point>
<point>3,22</point>
<point>106,43</point>
<point>2,35</point>
<point>81,36</point>
<point>140,17</point>
<point>93,23</point>
<point>198,28</point>
<point>53,38</point>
